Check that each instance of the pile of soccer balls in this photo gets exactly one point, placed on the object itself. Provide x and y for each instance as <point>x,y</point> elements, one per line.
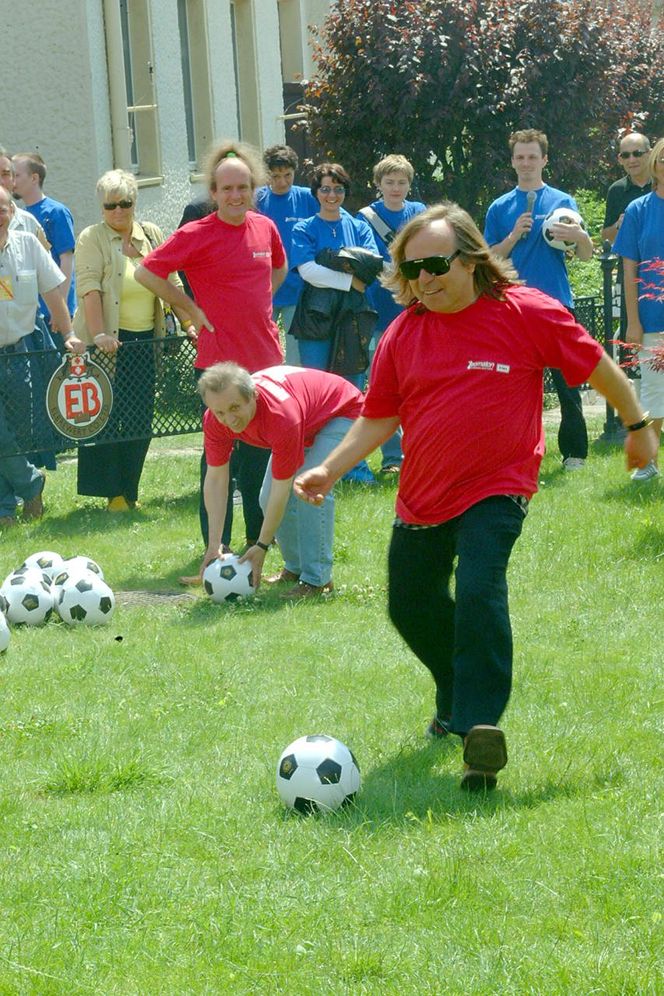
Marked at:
<point>47,584</point>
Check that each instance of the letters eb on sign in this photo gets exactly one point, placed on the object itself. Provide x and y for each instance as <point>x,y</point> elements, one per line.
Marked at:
<point>79,397</point>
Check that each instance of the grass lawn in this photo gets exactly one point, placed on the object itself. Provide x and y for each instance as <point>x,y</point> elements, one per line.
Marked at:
<point>143,849</point>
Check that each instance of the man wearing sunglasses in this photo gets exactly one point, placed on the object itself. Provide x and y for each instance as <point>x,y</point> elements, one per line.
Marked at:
<point>633,150</point>
<point>461,371</point>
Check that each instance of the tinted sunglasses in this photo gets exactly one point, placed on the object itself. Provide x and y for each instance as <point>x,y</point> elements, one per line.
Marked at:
<point>437,266</point>
<point>636,153</point>
<point>112,205</point>
<point>332,190</point>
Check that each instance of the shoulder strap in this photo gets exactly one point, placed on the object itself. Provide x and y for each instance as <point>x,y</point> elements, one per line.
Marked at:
<point>380,227</point>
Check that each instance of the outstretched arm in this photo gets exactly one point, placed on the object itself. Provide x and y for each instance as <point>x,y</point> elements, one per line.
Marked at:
<point>174,296</point>
<point>361,439</point>
<point>609,380</point>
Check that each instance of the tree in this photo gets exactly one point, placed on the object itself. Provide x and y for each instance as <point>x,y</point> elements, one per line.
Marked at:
<point>446,81</point>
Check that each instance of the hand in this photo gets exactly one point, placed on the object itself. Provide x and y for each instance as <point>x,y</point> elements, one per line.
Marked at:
<point>199,320</point>
<point>313,485</point>
<point>210,554</point>
<point>523,225</point>
<point>256,557</point>
<point>74,345</point>
<point>640,447</point>
<point>358,285</point>
<point>568,231</point>
<point>107,343</point>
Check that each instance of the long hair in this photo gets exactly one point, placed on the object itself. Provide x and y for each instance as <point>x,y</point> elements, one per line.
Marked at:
<point>492,274</point>
<point>657,153</point>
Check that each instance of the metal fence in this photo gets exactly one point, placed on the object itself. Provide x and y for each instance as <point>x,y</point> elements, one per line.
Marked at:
<point>154,391</point>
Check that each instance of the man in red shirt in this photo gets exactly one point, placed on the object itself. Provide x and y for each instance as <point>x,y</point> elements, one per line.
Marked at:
<point>234,261</point>
<point>301,415</point>
<point>462,371</point>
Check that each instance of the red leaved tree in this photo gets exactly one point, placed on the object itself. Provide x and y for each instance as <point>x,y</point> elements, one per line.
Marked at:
<point>445,82</point>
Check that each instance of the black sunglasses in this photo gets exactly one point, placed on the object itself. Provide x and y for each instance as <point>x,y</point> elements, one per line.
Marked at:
<point>112,205</point>
<point>636,153</point>
<point>437,266</point>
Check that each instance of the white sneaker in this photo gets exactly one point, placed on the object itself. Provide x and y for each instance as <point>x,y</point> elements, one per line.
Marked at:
<point>574,463</point>
<point>646,473</point>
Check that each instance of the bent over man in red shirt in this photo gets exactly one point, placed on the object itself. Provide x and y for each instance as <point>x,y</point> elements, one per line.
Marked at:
<point>301,415</point>
<point>462,372</point>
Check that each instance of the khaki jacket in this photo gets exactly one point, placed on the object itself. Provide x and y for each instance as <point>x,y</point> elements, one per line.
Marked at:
<point>100,266</point>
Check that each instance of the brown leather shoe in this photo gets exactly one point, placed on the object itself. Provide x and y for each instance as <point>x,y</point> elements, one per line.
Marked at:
<point>484,754</point>
<point>282,576</point>
<point>190,580</point>
<point>33,508</point>
<point>304,590</point>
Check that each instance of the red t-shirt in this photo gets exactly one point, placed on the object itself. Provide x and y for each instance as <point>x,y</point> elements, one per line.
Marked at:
<point>229,269</point>
<point>468,390</point>
<point>292,406</point>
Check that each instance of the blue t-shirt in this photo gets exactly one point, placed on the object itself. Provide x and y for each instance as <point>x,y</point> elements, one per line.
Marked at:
<point>641,238</point>
<point>286,210</point>
<point>314,234</point>
<point>57,221</point>
<point>379,297</point>
<point>536,262</point>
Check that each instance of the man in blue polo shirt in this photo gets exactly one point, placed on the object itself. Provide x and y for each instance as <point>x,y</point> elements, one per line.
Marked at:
<point>55,218</point>
<point>513,229</point>
<point>286,204</point>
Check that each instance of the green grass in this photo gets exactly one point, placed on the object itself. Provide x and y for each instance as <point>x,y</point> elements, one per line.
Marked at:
<point>142,845</point>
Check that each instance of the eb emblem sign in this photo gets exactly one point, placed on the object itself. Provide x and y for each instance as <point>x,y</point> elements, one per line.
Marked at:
<point>79,397</point>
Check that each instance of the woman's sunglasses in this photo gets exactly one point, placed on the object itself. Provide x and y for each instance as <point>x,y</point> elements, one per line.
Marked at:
<point>437,266</point>
<point>112,205</point>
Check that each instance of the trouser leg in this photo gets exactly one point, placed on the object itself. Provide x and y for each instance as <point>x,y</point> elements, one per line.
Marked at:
<point>252,463</point>
<point>572,432</point>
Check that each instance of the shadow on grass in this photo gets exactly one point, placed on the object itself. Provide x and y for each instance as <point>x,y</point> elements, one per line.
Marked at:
<point>415,786</point>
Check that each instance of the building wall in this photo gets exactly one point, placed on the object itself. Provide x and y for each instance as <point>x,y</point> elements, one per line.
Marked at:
<point>59,102</point>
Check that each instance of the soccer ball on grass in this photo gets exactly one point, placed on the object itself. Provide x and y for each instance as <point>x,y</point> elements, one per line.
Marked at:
<point>317,774</point>
<point>85,600</point>
<point>226,579</point>
<point>28,597</point>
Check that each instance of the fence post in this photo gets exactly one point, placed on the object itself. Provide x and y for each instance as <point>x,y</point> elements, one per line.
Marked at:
<point>614,431</point>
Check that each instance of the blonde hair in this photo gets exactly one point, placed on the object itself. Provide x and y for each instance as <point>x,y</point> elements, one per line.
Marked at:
<point>491,275</point>
<point>117,183</point>
<point>247,154</point>
<point>657,150</point>
<point>221,376</point>
<point>392,164</point>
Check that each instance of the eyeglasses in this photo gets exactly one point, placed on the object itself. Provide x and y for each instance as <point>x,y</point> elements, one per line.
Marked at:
<point>339,191</point>
<point>634,153</point>
<point>436,266</point>
<point>112,205</point>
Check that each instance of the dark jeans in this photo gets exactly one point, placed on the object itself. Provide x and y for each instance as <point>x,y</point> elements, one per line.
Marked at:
<point>572,432</point>
<point>109,469</point>
<point>465,641</point>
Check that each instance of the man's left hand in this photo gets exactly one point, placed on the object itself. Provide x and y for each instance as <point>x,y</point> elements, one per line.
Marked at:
<point>256,557</point>
<point>640,447</point>
<point>568,232</point>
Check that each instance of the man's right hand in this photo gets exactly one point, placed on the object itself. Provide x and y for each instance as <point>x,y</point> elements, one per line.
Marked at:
<point>313,485</point>
<point>198,319</point>
<point>523,225</point>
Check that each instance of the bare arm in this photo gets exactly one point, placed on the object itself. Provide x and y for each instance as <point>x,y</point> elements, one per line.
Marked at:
<point>361,439</point>
<point>609,380</point>
<point>174,296</point>
<point>610,232</point>
<point>279,274</point>
<point>280,492</point>
<point>61,320</point>
<point>215,495</point>
<point>631,292</point>
<point>66,264</point>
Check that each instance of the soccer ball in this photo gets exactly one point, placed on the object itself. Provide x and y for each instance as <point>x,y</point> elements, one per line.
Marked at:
<point>226,580</point>
<point>76,565</point>
<point>28,597</point>
<point>4,633</point>
<point>47,561</point>
<point>85,600</point>
<point>317,774</point>
<point>560,215</point>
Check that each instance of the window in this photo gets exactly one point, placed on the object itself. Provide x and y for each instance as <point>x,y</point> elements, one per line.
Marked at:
<point>244,63</point>
<point>132,89</point>
<point>195,78</point>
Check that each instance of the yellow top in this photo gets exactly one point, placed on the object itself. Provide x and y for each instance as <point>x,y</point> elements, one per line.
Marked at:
<point>136,301</point>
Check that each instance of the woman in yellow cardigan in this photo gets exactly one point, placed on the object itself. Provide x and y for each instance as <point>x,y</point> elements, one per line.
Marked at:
<point>113,310</point>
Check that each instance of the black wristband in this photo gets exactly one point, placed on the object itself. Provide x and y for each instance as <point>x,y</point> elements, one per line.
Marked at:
<point>263,546</point>
<point>646,420</point>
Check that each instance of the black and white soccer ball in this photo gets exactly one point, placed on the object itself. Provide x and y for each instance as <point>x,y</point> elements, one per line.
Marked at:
<point>226,579</point>
<point>4,633</point>
<point>561,215</point>
<point>27,597</point>
<point>85,600</point>
<point>317,774</point>
<point>74,566</point>
<point>46,560</point>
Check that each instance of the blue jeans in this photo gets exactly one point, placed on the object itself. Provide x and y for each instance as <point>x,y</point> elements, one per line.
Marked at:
<point>306,533</point>
<point>18,477</point>
<point>465,641</point>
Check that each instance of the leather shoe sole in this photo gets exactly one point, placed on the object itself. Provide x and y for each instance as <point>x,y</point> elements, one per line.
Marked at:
<point>484,754</point>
